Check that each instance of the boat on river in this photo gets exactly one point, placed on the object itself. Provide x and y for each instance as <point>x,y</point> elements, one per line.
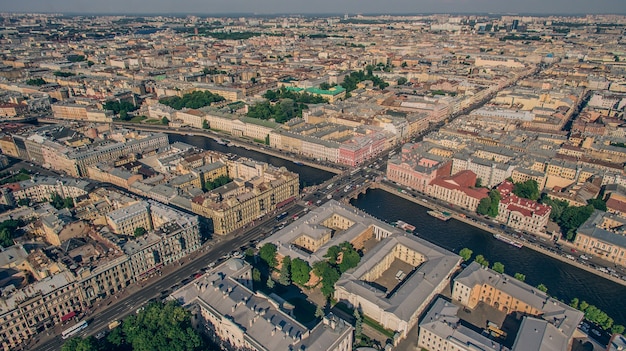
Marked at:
<point>444,216</point>
<point>508,241</point>
<point>405,226</point>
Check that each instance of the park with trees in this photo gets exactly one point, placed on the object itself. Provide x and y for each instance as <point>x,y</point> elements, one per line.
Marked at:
<point>194,100</point>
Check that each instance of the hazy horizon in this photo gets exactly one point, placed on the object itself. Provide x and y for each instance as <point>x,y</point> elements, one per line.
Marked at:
<point>321,7</point>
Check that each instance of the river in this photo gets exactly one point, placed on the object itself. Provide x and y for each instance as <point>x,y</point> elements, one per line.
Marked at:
<point>308,175</point>
<point>564,281</point>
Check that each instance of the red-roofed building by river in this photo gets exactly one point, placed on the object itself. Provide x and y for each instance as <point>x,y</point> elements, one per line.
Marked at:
<point>520,213</point>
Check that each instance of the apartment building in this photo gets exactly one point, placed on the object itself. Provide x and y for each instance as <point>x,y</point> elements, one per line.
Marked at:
<point>224,302</point>
<point>126,220</point>
<point>548,324</point>
<point>441,330</point>
<point>416,166</point>
<point>175,235</point>
<point>257,189</point>
<point>520,213</point>
<point>81,113</point>
<point>603,235</point>
<point>28,311</point>
<point>458,190</point>
<point>40,189</point>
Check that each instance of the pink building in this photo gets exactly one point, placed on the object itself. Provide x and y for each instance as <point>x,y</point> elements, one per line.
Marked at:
<point>416,169</point>
<point>361,148</point>
<point>519,213</point>
<point>458,190</point>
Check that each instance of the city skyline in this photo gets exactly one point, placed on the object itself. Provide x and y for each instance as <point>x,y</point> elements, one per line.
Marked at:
<point>566,7</point>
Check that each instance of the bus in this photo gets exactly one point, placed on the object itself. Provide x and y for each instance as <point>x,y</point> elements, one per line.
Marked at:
<point>281,216</point>
<point>355,171</point>
<point>69,332</point>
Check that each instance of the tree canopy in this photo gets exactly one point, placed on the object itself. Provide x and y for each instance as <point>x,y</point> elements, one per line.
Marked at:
<point>268,254</point>
<point>350,81</point>
<point>488,206</point>
<point>120,108</point>
<point>300,271</point>
<point>466,253</point>
<point>196,99</point>
<point>158,327</point>
<point>528,190</point>
<point>283,104</point>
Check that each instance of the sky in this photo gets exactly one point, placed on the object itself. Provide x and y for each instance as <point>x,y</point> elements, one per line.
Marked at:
<point>207,7</point>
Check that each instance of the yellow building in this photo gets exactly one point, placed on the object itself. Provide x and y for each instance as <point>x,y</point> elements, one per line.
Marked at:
<point>258,189</point>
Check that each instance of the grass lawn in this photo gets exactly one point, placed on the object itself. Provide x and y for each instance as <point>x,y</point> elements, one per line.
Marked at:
<point>138,119</point>
<point>153,121</point>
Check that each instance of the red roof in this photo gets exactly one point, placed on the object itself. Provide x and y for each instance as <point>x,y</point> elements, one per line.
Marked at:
<point>519,204</point>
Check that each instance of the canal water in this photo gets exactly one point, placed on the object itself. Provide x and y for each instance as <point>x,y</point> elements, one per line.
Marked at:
<point>308,175</point>
<point>563,280</point>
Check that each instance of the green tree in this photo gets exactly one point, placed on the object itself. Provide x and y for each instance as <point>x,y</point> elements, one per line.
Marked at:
<point>598,204</point>
<point>205,124</point>
<point>583,306</point>
<point>466,253</point>
<point>285,271</point>
<point>401,81</point>
<point>329,276</point>
<point>498,267</point>
<point>300,271</point>
<point>36,82</point>
<point>350,258</point>
<point>572,218</point>
<point>6,239</point>
<point>79,344</point>
<point>483,206</point>
<point>574,303</point>
<point>325,86</point>
<point>358,323</point>
<point>139,231</point>
<point>479,183</point>
<point>165,121</point>
<point>542,288</point>
<point>494,197</point>
<point>268,254</point>
<point>319,311</point>
<point>528,189</point>
<point>256,275</point>
<point>332,254</point>
<point>270,283</point>
<point>519,276</point>
<point>23,202</point>
<point>480,259</point>
<point>617,329</point>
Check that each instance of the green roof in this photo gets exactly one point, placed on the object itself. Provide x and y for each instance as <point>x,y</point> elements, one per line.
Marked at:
<point>260,122</point>
<point>337,89</point>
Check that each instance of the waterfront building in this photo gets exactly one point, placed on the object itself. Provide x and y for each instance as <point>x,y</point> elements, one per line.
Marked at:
<point>547,324</point>
<point>603,235</point>
<point>394,303</point>
<point>418,164</point>
<point>257,189</point>
<point>519,213</point>
<point>224,302</point>
<point>458,190</point>
<point>64,110</point>
<point>441,330</point>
